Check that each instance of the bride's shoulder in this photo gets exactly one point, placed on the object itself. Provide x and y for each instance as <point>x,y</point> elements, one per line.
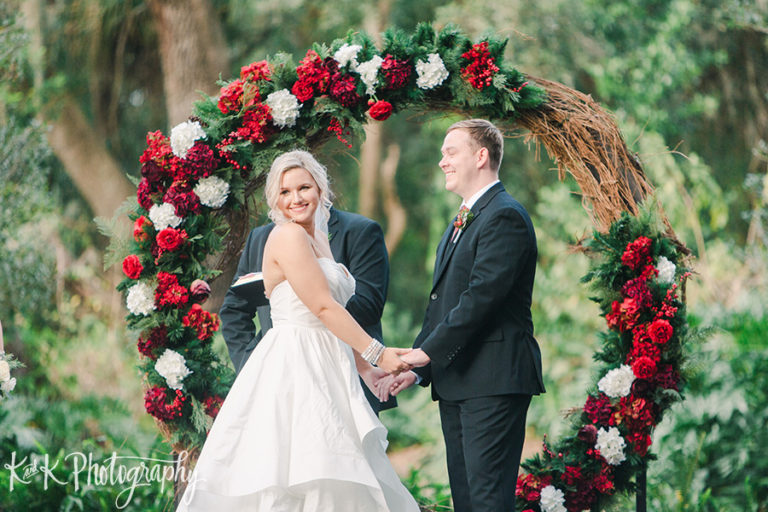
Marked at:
<point>289,234</point>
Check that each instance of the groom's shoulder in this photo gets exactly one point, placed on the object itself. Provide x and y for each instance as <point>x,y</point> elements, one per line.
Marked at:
<point>259,234</point>
<point>354,219</point>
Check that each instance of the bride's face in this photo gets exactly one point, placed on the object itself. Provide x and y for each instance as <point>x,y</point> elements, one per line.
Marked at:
<point>299,196</point>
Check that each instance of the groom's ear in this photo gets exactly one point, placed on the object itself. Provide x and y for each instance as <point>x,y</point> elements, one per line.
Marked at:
<point>482,157</point>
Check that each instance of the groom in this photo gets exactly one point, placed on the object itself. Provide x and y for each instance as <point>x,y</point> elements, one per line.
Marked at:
<point>476,346</point>
<point>358,243</point>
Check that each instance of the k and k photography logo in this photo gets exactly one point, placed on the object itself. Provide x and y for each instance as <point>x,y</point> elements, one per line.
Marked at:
<point>122,474</point>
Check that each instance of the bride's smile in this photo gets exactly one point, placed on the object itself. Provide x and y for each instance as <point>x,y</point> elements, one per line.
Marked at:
<point>299,196</point>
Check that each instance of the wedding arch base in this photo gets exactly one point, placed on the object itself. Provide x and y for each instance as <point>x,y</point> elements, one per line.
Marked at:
<point>198,184</point>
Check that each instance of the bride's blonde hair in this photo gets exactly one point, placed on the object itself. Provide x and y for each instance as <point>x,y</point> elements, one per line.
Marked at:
<point>303,160</point>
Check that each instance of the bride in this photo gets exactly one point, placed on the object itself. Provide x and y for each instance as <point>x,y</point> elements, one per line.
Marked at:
<point>295,432</point>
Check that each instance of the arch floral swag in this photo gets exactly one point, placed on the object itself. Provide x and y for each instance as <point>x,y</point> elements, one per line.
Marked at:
<point>193,199</point>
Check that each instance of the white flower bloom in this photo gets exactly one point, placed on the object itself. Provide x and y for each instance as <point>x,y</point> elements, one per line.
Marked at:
<point>164,215</point>
<point>284,107</point>
<point>212,191</point>
<point>611,445</point>
<point>8,385</point>
<point>617,382</point>
<point>368,72</point>
<point>172,367</point>
<point>431,73</point>
<point>141,299</point>
<point>183,137</point>
<point>552,499</point>
<point>666,270</point>
<point>5,371</point>
<point>347,54</point>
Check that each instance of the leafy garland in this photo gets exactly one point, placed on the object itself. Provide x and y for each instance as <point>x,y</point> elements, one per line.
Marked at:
<point>191,179</point>
<point>637,285</point>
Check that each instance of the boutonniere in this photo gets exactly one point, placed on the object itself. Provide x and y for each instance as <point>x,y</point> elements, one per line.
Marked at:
<point>330,235</point>
<point>463,219</point>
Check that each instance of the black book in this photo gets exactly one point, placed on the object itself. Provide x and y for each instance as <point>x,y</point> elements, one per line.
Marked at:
<point>251,288</point>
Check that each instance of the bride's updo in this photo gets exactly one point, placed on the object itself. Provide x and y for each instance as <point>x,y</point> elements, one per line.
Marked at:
<point>304,160</point>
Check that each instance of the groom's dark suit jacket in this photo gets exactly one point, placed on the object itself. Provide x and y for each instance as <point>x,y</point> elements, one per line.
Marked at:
<point>477,328</point>
<point>357,243</point>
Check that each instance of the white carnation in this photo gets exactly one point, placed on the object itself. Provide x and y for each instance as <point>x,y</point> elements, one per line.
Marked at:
<point>172,367</point>
<point>164,215</point>
<point>5,371</point>
<point>183,137</point>
<point>666,270</point>
<point>617,382</point>
<point>611,445</point>
<point>368,72</point>
<point>284,107</point>
<point>552,499</point>
<point>431,73</point>
<point>8,385</point>
<point>347,54</point>
<point>212,191</point>
<point>141,299</point>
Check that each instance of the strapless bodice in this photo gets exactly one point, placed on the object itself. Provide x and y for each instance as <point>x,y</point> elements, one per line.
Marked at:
<point>287,308</point>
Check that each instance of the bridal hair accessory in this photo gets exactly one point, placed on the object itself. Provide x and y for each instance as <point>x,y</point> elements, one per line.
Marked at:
<point>373,352</point>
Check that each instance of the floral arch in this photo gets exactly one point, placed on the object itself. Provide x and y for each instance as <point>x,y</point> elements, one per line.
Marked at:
<point>192,204</point>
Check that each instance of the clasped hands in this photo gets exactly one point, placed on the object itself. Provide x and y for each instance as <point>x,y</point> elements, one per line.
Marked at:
<point>393,375</point>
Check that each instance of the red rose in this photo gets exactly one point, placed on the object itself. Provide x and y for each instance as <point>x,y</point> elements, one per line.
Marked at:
<point>132,266</point>
<point>303,90</point>
<point>380,110</point>
<point>660,331</point>
<point>644,367</point>
<point>171,239</point>
<point>140,229</point>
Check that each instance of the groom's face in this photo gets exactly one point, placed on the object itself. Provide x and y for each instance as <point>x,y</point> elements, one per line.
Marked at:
<point>459,163</point>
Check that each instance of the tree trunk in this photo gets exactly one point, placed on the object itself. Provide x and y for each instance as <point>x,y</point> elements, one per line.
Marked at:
<point>192,51</point>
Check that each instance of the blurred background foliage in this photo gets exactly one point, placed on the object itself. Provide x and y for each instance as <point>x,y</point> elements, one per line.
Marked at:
<point>83,81</point>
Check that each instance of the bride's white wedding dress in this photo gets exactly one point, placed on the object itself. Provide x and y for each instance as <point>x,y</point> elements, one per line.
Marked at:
<point>295,432</point>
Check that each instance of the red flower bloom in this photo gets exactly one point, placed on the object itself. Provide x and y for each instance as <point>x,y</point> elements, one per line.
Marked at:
<point>644,349</point>
<point>144,194</point>
<point>158,149</point>
<point>644,367</point>
<point>588,434</point>
<point>598,409</point>
<point>199,290</point>
<point>638,289</point>
<point>140,229</point>
<point>571,475</point>
<point>169,292</point>
<point>233,95</point>
<point>199,163</point>
<point>255,126</point>
<point>343,90</point>
<point>303,90</point>
<point>156,338</point>
<point>640,442</point>
<point>171,239</point>
<point>181,196</point>
<point>314,77</point>
<point>396,72</point>
<point>256,71</point>
<point>481,68</point>
<point>637,253</point>
<point>380,110</point>
<point>156,403</point>
<point>529,486</point>
<point>623,314</point>
<point>154,175</point>
<point>212,405</point>
<point>202,321</point>
<point>604,484</point>
<point>132,266</point>
<point>660,331</point>
<point>667,377</point>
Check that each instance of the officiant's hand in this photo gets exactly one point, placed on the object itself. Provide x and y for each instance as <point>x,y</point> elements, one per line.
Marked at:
<point>391,360</point>
<point>416,357</point>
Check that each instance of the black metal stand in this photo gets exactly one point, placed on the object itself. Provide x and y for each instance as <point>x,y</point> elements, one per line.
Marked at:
<point>640,495</point>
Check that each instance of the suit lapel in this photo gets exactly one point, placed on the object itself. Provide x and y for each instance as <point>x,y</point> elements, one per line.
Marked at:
<point>334,237</point>
<point>448,247</point>
<point>442,248</point>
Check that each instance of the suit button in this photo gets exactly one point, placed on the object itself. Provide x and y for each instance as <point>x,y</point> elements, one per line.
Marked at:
<point>433,296</point>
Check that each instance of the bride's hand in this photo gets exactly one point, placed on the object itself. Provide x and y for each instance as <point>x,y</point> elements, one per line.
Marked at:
<point>390,361</point>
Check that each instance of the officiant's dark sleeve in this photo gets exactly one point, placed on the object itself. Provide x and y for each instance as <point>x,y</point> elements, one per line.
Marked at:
<point>237,313</point>
<point>368,262</point>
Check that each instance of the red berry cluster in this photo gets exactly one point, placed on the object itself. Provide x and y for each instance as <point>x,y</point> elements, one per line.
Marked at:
<point>481,68</point>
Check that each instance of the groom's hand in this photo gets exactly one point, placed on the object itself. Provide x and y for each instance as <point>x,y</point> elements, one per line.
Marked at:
<point>379,382</point>
<point>416,357</point>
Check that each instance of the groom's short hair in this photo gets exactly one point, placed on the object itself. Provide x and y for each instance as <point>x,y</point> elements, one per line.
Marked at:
<point>483,134</point>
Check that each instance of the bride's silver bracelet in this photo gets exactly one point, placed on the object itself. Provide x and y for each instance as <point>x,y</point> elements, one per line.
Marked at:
<point>373,352</point>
